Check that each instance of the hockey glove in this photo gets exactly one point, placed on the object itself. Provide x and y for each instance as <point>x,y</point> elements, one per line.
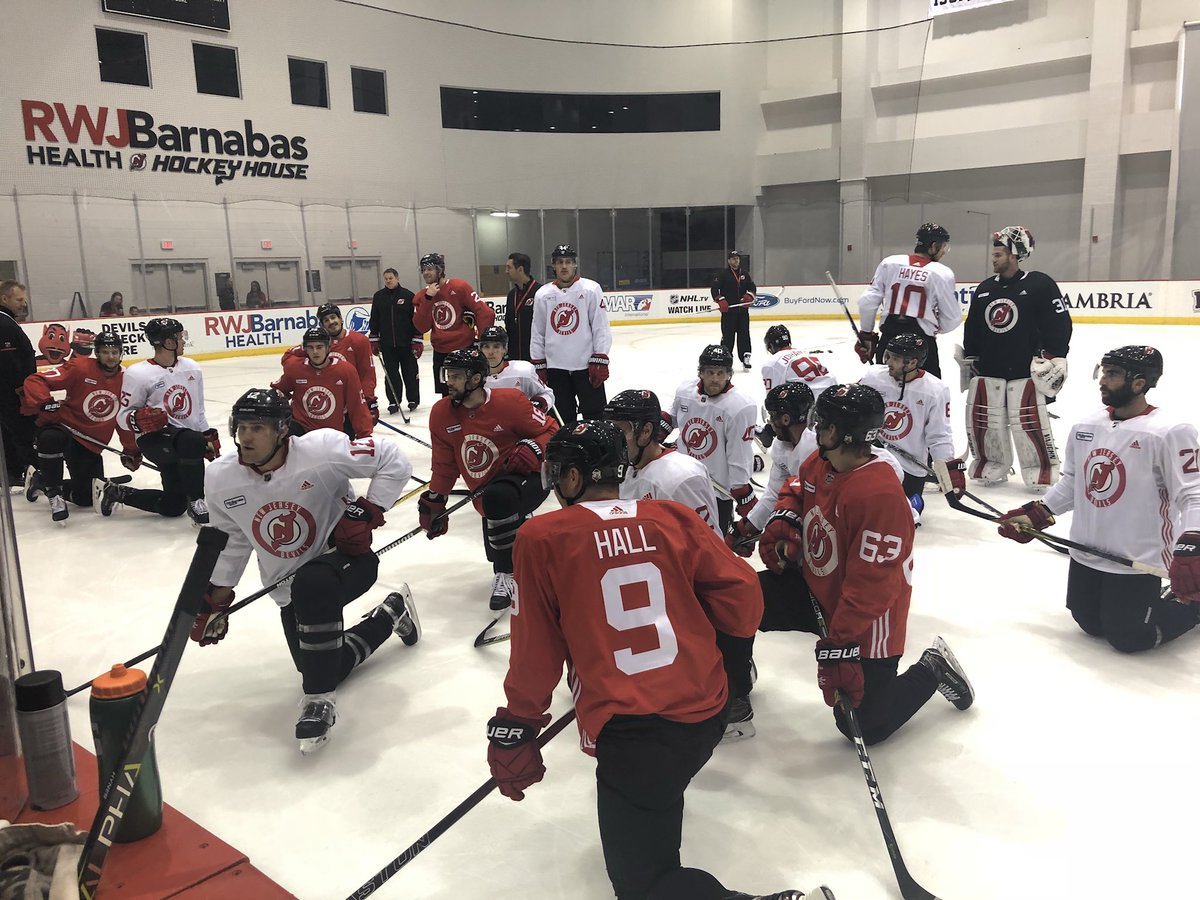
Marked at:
<point>352,534</point>
<point>513,754</point>
<point>723,304</point>
<point>539,366</point>
<point>743,496</point>
<point>212,444</point>
<point>665,426</point>
<point>49,413</point>
<point>418,347</point>
<point>131,461</point>
<point>967,367</point>
<point>148,420</point>
<point>741,537</point>
<point>839,669</point>
<point>951,475</point>
<point>373,409</point>
<point>1034,514</point>
<point>1185,567</point>
<point>865,345</point>
<point>431,514</point>
<point>1048,373</point>
<point>469,319</point>
<point>524,458</point>
<point>782,541</point>
<point>374,345</point>
<point>211,623</point>
<point>598,369</point>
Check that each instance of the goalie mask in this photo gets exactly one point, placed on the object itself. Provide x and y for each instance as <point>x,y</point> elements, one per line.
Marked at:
<point>1016,239</point>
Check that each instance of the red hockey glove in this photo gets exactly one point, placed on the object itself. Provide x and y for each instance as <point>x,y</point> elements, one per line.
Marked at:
<point>743,495</point>
<point>839,669</point>
<point>352,534</point>
<point>1185,567</point>
<point>469,319</point>
<point>374,345</point>
<point>524,458</point>
<point>418,347</point>
<point>49,413</point>
<point>951,475</point>
<point>513,754</point>
<point>723,304</point>
<point>540,404</point>
<point>213,440</point>
<point>1035,514</point>
<point>782,541</point>
<point>865,345</point>
<point>211,623</point>
<point>747,298</point>
<point>431,514</point>
<point>598,369</point>
<point>539,366</point>
<point>665,426</point>
<point>131,461</point>
<point>373,409</point>
<point>148,420</point>
<point>741,537</point>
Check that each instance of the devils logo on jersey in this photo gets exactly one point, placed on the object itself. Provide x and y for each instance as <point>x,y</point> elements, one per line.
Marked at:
<point>177,402</point>
<point>444,314</point>
<point>318,402</point>
<point>1104,477</point>
<point>564,319</point>
<point>820,543</point>
<point>100,406</point>
<point>284,529</point>
<point>699,438</point>
<point>478,454</point>
<point>1001,315</point>
<point>897,421</point>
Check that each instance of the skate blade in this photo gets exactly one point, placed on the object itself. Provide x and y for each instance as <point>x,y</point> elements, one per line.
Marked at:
<point>309,746</point>
<point>739,732</point>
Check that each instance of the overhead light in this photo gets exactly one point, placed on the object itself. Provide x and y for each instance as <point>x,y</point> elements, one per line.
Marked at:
<point>505,214</point>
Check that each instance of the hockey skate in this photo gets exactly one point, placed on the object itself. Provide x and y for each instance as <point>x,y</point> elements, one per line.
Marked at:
<point>746,361</point>
<point>820,893</point>
<point>106,496</point>
<point>740,724</point>
<point>399,607</point>
<point>317,714</point>
<point>35,485</point>
<point>504,589</point>
<point>58,506</point>
<point>197,510</point>
<point>952,680</point>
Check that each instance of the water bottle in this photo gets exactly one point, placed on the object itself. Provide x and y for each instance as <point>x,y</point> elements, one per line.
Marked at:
<point>115,699</point>
<point>46,739</point>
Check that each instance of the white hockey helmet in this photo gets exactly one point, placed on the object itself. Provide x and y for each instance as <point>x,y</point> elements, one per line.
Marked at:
<point>1016,239</point>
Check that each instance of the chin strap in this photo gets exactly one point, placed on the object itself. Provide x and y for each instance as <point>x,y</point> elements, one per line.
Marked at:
<point>279,445</point>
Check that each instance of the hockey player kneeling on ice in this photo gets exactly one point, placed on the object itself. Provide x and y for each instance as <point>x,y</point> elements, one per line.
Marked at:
<point>1131,473</point>
<point>787,366</point>
<point>493,438</point>
<point>1013,360</point>
<point>325,390</point>
<point>287,500</point>
<point>843,530</point>
<point>650,714</point>
<point>512,373</point>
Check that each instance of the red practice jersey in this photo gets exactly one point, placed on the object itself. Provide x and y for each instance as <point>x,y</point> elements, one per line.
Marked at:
<point>629,593</point>
<point>443,315</point>
<point>471,442</point>
<point>93,397</point>
<point>353,348</point>
<point>324,397</point>
<point>858,545</point>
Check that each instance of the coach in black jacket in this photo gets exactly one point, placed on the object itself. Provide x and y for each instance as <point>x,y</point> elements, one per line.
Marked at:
<point>518,314</point>
<point>16,363</point>
<point>734,290</point>
<point>396,341</point>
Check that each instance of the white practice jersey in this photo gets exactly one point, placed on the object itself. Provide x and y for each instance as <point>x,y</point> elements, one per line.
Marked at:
<point>569,325</point>
<point>522,376</point>
<point>718,431</point>
<point>918,423</point>
<point>286,516</point>
<point>1133,484</point>
<point>178,391</point>
<point>913,286</point>
<point>797,365</point>
<point>674,476</point>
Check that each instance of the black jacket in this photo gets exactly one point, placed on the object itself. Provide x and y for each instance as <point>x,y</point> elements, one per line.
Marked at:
<point>392,316</point>
<point>731,286</point>
<point>1012,321</point>
<point>518,319</point>
<point>16,359</point>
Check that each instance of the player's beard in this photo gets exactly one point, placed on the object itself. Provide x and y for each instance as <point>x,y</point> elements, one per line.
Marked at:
<point>1119,397</point>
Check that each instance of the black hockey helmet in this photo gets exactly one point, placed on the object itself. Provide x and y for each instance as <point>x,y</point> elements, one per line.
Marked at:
<point>316,336</point>
<point>328,309</point>
<point>932,233</point>
<point>1137,361</point>
<point>795,398</point>
<point>260,405</point>
<point>1016,239</point>
<point>596,448</point>
<point>855,410</point>
<point>108,339</point>
<point>494,334</point>
<point>909,346</point>
<point>160,329</point>
<point>469,359</point>
<point>777,338</point>
<point>633,406</point>
<point>432,259</point>
<point>564,251</point>
<point>716,355</point>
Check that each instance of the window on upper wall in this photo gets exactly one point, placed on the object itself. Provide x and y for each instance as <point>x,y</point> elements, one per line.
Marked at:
<point>482,110</point>
<point>123,56</point>
<point>216,70</point>
<point>369,87</point>
<point>309,85</point>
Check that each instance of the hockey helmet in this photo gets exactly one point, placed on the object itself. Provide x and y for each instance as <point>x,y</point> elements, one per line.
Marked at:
<point>434,260</point>
<point>855,410</point>
<point>932,233</point>
<point>717,355</point>
<point>563,251</point>
<point>596,448</point>
<point>108,339</point>
<point>778,337</point>
<point>469,359</point>
<point>494,334</point>
<point>1137,361</point>
<point>1016,239</point>
<point>316,336</point>
<point>260,405</point>
<point>633,406</point>
<point>793,398</point>
<point>160,329</point>
<point>328,309</point>
<point>909,346</point>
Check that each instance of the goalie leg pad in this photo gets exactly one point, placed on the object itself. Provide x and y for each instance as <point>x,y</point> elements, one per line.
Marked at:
<point>1031,433</point>
<point>987,429</point>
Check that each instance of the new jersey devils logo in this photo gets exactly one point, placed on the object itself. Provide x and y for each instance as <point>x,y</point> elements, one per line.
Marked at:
<point>318,402</point>
<point>564,319</point>
<point>478,454</point>
<point>444,314</point>
<point>1104,477</point>
<point>177,402</point>
<point>1001,315</point>
<point>137,162</point>
<point>699,438</point>
<point>284,529</point>
<point>897,421</point>
<point>820,543</point>
<point>100,406</point>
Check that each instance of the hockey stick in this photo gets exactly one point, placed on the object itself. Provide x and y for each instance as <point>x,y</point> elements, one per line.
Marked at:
<point>842,300</point>
<point>281,582</point>
<point>391,387</point>
<point>379,878</point>
<point>403,433</point>
<point>121,781</point>
<point>482,637</point>
<point>92,440</point>
<point>494,639</point>
<point>909,889</point>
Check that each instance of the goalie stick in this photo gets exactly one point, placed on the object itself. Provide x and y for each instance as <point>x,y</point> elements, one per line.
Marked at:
<point>379,878</point>
<point>121,781</point>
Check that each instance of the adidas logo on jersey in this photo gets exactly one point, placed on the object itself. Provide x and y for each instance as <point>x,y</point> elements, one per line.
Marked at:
<point>498,428</point>
<point>1136,445</point>
<point>307,484</point>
